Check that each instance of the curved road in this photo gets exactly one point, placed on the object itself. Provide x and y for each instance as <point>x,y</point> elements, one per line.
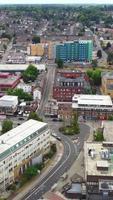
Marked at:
<point>70,154</point>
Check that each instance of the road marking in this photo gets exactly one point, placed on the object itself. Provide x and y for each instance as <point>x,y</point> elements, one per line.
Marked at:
<point>52,173</point>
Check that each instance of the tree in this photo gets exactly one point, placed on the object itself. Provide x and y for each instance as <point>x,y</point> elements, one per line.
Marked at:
<point>108,45</point>
<point>94,63</point>
<point>34,115</point>
<point>20,93</point>
<point>35,39</point>
<point>110,58</point>
<point>95,76</point>
<point>59,63</point>
<point>75,124</point>
<point>30,74</point>
<point>7,125</point>
<point>98,136</point>
<point>30,172</point>
<point>99,54</point>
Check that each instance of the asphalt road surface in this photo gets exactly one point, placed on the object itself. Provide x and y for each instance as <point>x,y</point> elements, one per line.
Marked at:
<point>71,151</point>
<point>69,156</point>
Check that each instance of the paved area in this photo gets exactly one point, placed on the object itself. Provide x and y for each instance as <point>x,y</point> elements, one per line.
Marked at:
<point>29,187</point>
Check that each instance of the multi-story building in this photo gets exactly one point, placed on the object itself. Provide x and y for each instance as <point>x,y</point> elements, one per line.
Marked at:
<point>93,106</point>
<point>107,83</point>
<point>36,49</point>
<point>98,161</point>
<point>75,51</point>
<point>20,148</point>
<point>8,104</point>
<point>67,83</point>
<point>8,81</point>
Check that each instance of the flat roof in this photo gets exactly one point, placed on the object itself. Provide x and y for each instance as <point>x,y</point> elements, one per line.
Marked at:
<point>8,98</point>
<point>93,99</point>
<point>98,158</point>
<point>19,67</point>
<point>19,135</point>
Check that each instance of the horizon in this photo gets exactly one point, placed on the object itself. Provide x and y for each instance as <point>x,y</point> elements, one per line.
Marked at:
<point>56,2</point>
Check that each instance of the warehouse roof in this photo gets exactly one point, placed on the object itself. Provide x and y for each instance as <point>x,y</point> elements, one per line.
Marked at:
<point>92,100</point>
<point>20,135</point>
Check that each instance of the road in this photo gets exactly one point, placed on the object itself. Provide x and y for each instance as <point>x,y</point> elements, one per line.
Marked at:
<point>71,151</point>
<point>69,156</point>
<point>47,89</point>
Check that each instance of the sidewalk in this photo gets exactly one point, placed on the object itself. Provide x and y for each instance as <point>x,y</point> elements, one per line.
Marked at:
<point>30,185</point>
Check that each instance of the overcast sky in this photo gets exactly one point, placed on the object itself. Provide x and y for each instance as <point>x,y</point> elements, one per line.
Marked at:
<point>55,1</point>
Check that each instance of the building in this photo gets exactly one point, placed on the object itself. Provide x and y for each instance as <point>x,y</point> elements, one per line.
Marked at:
<point>107,83</point>
<point>25,87</point>
<point>19,67</point>
<point>8,104</point>
<point>8,81</point>
<point>93,106</point>
<point>21,147</point>
<point>51,108</point>
<point>98,160</point>
<point>36,49</point>
<point>75,51</point>
<point>67,83</point>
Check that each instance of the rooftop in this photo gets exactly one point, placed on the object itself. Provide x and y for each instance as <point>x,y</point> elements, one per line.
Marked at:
<point>14,138</point>
<point>92,100</point>
<point>107,75</point>
<point>9,80</point>
<point>8,98</point>
<point>19,67</point>
<point>97,156</point>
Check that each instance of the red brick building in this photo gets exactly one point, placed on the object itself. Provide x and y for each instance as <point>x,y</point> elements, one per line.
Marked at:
<point>67,83</point>
<point>8,81</point>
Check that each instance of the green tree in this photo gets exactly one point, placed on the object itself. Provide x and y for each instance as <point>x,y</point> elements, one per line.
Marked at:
<point>96,77</point>
<point>35,39</point>
<point>34,115</point>
<point>99,54</point>
<point>30,74</point>
<point>75,124</point>
<point>110,58</point>
<point>94,63</point>
<point>98,136</point>
<point>20,93</point>
<point>30,172</point>
<point>7,125</point>
<point>59,63</point>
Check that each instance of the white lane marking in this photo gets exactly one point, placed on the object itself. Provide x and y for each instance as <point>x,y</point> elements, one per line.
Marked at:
<point>52,173</point>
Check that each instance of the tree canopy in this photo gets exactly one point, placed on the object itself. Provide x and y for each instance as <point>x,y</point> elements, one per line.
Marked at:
<point>35,39</point>
<point>20,93</point>
<point>110,58</point>
<point>95,76</point>
<point>30,74</point>
<point>99,54</point>
<point>59,63</point>
<point>34,115</point>
<point>7,125</point>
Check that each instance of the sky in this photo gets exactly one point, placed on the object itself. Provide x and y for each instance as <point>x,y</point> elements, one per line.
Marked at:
<point>56,1</point>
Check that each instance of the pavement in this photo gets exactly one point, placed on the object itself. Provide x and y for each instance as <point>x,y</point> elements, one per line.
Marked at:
<point>31,185</point>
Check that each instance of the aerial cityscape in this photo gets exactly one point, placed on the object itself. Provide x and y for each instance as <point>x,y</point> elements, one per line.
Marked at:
<point>56,101</point>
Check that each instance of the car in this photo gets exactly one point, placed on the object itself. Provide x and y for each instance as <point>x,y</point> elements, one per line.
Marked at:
<point>21,118</point>
<point>55,120</point>
<point>58,138</point>
<point>54,135</point>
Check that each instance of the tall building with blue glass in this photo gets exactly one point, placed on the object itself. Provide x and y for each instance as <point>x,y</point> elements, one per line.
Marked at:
<point>80,50</point>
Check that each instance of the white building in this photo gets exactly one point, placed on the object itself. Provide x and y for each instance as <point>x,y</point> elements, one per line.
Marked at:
<point>18,148</point>
<point>8,104</point>
<point>25,87</point>
<point>93,106</point>
<point>36,94</point>
<point>19,67</point>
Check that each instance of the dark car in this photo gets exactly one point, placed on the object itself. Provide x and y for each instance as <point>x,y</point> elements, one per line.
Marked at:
<point>21,118</point>
<point>58,138</point>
